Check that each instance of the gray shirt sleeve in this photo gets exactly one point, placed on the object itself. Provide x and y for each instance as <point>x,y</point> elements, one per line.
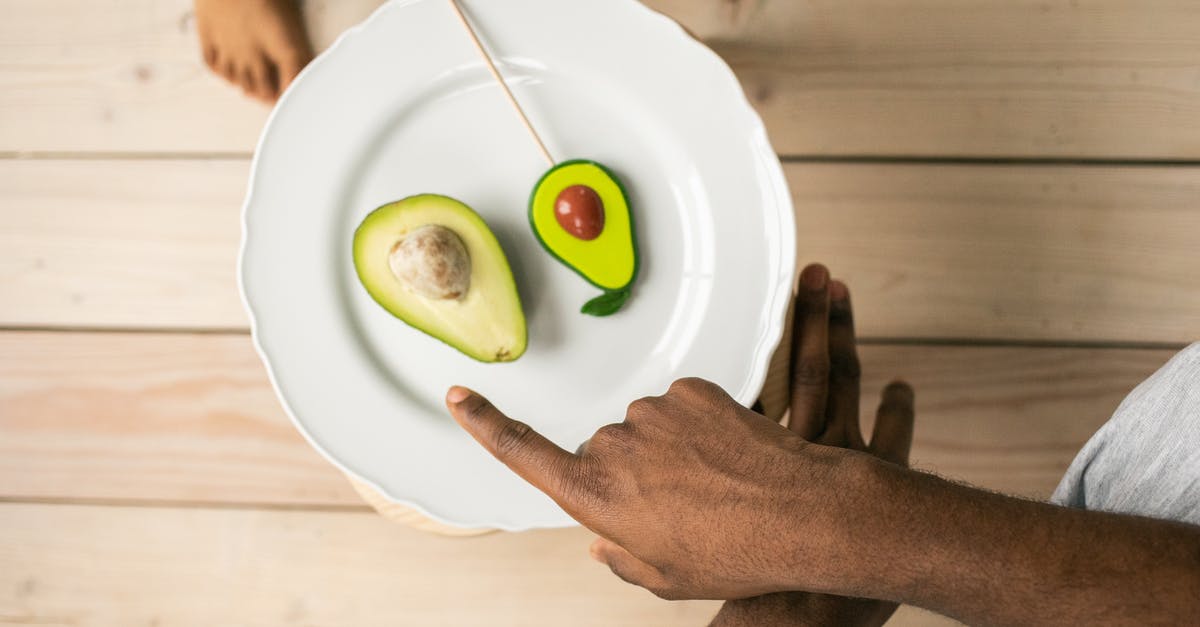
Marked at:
<point>1146,459</point>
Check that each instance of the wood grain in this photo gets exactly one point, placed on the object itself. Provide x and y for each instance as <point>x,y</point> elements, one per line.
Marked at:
<point>1017,78</point>
<point>206,507</point>
<point>191,418</point>
<point>66,566</point>
<point>931,251</point>
<point>1004,252</point>
<point>101,566</point>
<point>121,243</point>
<point>142,416</point>
<point>989,78</point>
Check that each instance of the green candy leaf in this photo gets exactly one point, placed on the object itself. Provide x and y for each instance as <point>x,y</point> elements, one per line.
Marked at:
<point>606,304</point>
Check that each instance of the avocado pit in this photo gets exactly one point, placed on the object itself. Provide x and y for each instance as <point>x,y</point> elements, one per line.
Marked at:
<point>433,262</point>
<point>580,212</point>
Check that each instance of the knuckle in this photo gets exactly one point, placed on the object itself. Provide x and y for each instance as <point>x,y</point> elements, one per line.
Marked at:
<point>687,384</point>
<point>814,306</point>
<point>811,372</point>
<point>476,409</point>
<point>607,436</point>
<point>511,438</point>
<point>642,408</point>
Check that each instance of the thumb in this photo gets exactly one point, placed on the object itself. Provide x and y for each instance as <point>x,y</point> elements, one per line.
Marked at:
<point>626,566</point>
<point>527,452</point>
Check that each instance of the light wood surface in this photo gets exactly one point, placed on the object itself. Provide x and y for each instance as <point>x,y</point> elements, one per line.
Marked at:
<point>191,418</point>
<point>1048,78</point>
<point>205,567</point>
<point>999,252</point>
<point>122,566</point>
<point>118,243</point>
<point>149,477</point>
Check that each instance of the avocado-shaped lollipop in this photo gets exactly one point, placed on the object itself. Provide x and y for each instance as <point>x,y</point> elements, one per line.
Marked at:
<point>580,214</point>
<point>579,210</point>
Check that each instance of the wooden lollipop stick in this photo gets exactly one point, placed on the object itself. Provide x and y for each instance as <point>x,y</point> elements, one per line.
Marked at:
<point>487,59</point>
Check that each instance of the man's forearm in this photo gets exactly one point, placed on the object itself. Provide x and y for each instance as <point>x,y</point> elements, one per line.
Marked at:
<point>985,558</point>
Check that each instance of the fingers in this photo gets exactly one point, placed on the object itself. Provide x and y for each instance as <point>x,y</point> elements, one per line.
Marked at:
<point>289,47</point>
<point>892,437</point>
<point>265,87</point>
<point>249,81</point>
<point>272,81</point>
<point>810,353</point>
<point>606,438</point>
<point>211,58</point>
<point>289,68</point>
<point>229,71</point>
<point>529,454</point>
<point>624,565</point>
<point>842,428</point>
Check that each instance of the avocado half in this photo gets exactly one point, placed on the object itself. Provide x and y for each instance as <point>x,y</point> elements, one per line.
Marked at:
<point>482,315</point>
<point>608,260</point>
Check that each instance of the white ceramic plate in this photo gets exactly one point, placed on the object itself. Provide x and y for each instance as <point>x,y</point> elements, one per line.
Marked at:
<point>402,105</point>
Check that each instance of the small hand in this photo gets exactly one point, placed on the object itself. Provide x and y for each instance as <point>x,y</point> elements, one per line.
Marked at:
<point>825,395</point>
<point>258,45</point>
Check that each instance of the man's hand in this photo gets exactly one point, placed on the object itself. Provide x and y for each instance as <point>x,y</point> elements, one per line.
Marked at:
<point>695,496</point>
<point>685,491</point>
<point>825,373</point>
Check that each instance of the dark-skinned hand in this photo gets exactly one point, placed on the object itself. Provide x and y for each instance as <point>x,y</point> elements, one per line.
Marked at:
<point>695,496</point>
<point>826,372</point>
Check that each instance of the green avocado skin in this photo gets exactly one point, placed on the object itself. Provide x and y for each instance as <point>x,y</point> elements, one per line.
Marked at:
<point>489,331</point>
<point>613,298</point>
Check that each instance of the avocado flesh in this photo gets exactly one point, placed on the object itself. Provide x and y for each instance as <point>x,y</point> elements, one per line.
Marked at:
<point>487,322</point>
<point>610,261</point>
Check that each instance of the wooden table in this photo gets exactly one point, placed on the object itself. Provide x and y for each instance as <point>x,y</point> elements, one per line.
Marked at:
<point>1009,186</point>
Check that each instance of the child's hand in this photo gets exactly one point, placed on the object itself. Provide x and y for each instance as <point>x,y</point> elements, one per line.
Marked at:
<point>258,45</point>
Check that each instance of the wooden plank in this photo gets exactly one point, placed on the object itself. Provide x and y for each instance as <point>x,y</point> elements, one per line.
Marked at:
<point>994,78</point>
<point>1048,253</point>
<point>1044,78</point>
<point>109,566</point>
<point>113,75</point>
<point>191,418</point>
<point>145,417</point>
<point>101,566</point>
<point>112,566</point>
<point>121,243</point>
<point>1009,419</point>
<point>1001,252</point>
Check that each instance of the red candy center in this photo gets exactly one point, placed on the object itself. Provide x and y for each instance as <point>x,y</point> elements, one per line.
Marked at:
<point>580,212</point>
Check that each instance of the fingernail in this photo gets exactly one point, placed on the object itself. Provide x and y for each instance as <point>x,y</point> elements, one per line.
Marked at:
<point>457,395</point>
<point>838,291</point>
<point>815,277</point>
